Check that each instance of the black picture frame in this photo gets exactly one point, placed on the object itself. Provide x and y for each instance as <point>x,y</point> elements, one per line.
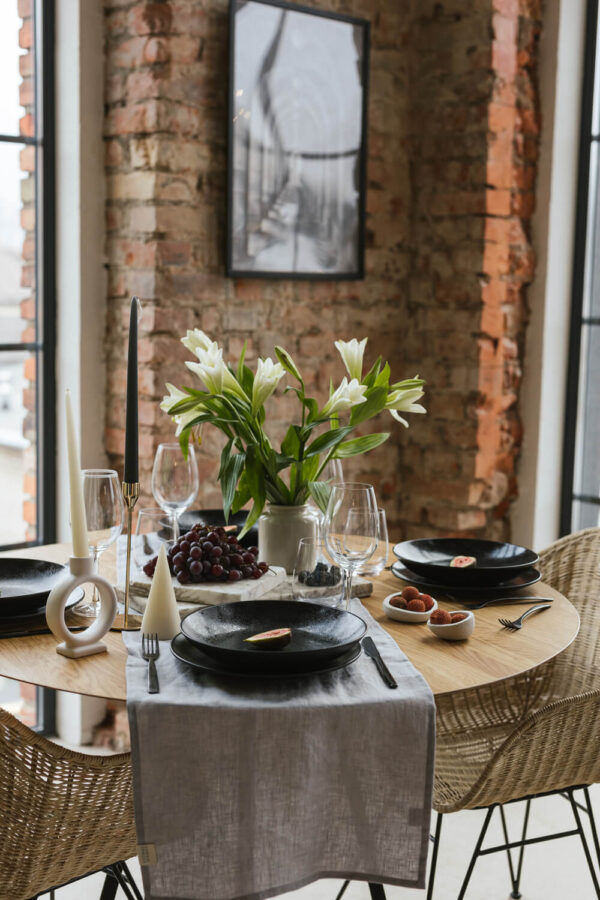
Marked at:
<point>303,245</point>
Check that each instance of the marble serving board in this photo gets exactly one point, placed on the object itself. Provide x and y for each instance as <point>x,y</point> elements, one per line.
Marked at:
<point>282,590</point>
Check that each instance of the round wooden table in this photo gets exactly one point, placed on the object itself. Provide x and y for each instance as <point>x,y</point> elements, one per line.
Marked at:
<point>492,654</point>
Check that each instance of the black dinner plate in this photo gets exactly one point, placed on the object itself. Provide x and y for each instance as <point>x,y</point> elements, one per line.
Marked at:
<point>189,653</point>
<point>76,597</point>
<point>319,633</point>
<point>26,583</point>
<point>215,518</point>
<point>524,579</point>
<point>495,561</point>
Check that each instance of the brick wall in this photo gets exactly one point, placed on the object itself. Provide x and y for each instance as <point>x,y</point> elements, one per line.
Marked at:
<point>451,172</point>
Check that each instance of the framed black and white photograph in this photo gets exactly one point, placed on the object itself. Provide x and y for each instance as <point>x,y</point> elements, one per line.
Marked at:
<point>297,142</point>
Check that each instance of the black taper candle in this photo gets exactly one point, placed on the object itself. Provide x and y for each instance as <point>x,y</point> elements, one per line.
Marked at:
<point>131,473</point>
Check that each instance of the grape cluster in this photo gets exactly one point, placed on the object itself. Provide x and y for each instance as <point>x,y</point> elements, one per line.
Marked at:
<point>210,554</point>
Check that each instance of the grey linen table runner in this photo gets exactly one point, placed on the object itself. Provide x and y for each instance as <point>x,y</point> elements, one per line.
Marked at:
<point>244,790</point>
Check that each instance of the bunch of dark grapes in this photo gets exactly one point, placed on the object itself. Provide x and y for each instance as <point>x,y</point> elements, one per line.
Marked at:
<point>210,554</point>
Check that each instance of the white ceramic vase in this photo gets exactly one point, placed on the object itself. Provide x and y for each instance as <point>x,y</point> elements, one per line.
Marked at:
<point>280,529</point>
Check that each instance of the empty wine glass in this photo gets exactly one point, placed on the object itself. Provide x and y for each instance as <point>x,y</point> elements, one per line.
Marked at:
<point>351,528</point>
<point>174,480</point>
<point>378,561</point>
<point>105,512</point>
<point>153,528</point>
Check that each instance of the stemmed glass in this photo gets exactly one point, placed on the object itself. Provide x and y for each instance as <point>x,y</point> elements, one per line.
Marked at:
<point>377,563</point>
<point>351,528</point>
<point>105,513</point>
<point>174,480</point>
<point>153,528</point>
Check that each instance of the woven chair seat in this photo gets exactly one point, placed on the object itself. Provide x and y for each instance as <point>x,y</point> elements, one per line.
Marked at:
<point>540,731</point>
<point>62,814</point>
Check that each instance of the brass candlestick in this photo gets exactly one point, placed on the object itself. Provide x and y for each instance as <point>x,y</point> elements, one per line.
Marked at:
<point>131,492</point>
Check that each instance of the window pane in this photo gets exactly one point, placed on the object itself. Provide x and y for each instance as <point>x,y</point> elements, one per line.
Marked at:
<point>17,243</point>
<point>587,446</point>
<point>16,70</point>
<point>591,290</point>
<point>585,515</point>
<point>17,447</point>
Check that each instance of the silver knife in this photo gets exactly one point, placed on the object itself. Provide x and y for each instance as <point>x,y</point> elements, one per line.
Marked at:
<point>371,650</point>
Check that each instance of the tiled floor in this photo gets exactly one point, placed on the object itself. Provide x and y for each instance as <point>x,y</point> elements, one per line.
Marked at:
<point>556,871</point>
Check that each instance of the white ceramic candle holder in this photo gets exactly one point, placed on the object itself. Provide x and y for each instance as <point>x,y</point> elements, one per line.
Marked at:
<point>88,641</point>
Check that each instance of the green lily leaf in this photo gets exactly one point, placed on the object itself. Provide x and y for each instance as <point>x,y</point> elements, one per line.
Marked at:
<point>233,470</point>
<point>291,443</point>
<point>375,402</point>
<point>360,445</point>
<point>320,491</point>
<point>327,440</point>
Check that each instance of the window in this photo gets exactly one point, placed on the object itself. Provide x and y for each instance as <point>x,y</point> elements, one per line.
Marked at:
<point>27,302</point>
<point>580,506</point>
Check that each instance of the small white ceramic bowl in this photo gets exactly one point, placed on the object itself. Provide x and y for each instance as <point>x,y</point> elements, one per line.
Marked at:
<point>456,631</point>
<point>406,615</point>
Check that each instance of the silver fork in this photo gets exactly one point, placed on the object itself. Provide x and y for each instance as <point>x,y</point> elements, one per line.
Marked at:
<point>151,652</point>
<point>518,623</point>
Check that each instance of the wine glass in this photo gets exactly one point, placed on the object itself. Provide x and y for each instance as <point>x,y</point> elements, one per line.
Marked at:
<point>105,513</point>
<point>153,528</point>
<point>377,563</point>
<point>316,577</point>
<point>351,528</point>
<point>174,480</point>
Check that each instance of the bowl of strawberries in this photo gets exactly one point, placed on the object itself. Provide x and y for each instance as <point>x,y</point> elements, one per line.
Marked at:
<point>410,605</point>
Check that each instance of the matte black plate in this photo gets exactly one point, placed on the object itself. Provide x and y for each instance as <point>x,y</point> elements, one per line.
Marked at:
<point>76,597</point>
<point>522,580</point>
<point>319,633</point>
<point>495,561</point>
<point>26,583</point>
<point>190,653</point>
<point>215,518</point>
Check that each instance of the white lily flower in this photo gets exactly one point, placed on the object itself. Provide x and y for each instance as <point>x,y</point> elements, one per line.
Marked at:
<point>405,400</point>
<point>352,353</point>
<point>175,395</point>
<point>213,371</point>
<point>183,419</point>
<point>348,394</point>
<point>268,375</point>
<point>196,339</point>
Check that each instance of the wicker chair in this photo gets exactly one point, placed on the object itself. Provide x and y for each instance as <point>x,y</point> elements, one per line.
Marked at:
<point>63,815</point>
<point>535,734</point>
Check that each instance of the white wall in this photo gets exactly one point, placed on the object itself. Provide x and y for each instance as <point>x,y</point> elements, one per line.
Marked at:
<point>81,294</point>
<point>535,515</point>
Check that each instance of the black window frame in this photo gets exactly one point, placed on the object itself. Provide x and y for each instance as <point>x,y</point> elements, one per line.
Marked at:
<point>44,346</point>
<point>586,139</point>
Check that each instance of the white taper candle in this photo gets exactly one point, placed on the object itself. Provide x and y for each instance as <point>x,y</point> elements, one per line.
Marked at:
<point>78,517</point>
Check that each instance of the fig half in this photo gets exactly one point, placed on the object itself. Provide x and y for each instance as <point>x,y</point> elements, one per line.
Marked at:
<point>271,640</point>
<point>462,562</point>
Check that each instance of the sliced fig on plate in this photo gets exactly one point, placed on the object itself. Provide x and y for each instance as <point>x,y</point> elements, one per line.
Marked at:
<point>462,562</point>
<point>271,640</point>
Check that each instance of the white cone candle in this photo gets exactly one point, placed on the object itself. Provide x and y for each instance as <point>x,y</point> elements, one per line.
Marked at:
<point>79,533</point>
<point>162,616</point>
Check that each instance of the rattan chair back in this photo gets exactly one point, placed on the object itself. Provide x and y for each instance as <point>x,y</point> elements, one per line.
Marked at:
<point>538,732</point>
<point>62,814</point>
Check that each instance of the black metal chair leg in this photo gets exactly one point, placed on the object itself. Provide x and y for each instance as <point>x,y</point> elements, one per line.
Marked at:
<point>342,890</point>
<point>514,877</point>
<point>516,893</point>
<point>584,843</point>
<point>480,840</point>
<point>377,891</point>
<point>110,887</point>
<point>588,803</point>
<point>121,881</point>
<point>125,871</point>
<point>434,854</point>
